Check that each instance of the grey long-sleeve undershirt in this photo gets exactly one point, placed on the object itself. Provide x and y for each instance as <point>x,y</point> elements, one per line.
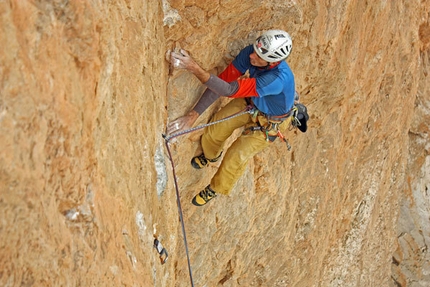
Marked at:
<point>216,88</point>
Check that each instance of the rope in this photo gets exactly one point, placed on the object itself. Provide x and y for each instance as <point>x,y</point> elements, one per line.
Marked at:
<point>248,109</point>
<point>178,201</point>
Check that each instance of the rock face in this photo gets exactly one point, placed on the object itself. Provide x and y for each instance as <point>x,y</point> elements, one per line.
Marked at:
<point>86,183</point>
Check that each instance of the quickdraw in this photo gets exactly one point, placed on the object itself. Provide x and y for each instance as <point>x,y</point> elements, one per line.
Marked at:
<point>161,251</point>
<point>294,120</point>
<point>271,126</point>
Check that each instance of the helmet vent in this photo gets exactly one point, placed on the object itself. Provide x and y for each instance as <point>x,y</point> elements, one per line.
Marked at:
<point>263,50</point>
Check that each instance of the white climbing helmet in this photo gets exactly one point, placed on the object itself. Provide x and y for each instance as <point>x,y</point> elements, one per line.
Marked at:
<point>273,46</point>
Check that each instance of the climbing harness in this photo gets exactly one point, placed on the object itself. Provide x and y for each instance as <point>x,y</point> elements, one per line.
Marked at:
<point>167,138</point>
<point>272,125</point>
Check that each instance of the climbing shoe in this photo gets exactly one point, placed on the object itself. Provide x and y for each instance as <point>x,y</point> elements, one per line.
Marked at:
<point>204,196</point>
<point>200,161</point>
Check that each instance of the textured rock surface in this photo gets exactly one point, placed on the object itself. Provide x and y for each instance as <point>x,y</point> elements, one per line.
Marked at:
<point>86,184</point>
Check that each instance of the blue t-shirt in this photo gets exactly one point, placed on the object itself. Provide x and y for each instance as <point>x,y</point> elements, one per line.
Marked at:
<point>275,86</point>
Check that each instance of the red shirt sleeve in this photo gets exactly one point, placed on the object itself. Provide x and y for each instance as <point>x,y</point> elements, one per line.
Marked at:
<point>230,73</point>
<point>247,88</point>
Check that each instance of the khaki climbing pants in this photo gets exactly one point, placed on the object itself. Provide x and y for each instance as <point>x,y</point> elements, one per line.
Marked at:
<point>241,151</point>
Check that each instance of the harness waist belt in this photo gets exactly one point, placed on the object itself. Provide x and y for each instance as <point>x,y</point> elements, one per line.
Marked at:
<point>269,117</point>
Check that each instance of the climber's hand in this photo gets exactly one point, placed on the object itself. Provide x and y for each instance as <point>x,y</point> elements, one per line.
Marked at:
<point>182,123</point>
<point>182,60</point>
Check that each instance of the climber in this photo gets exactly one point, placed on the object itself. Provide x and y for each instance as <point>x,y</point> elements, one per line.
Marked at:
<point>270,89</point>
